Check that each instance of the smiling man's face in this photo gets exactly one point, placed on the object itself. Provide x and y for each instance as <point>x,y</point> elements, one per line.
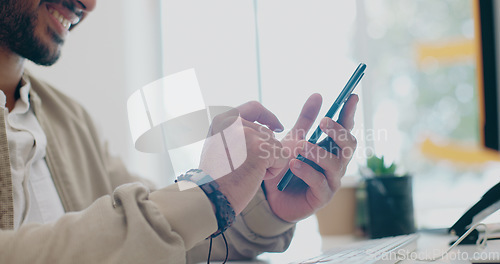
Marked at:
<point>36,29</point>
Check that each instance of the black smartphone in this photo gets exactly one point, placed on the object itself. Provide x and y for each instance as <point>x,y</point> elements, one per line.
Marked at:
<point>328,144</point>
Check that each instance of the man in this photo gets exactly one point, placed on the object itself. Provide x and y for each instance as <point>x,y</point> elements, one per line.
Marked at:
<point>63,199</point>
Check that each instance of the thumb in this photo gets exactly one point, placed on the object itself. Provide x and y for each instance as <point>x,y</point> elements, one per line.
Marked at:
<point>346,117</point>
<point>307,116</point>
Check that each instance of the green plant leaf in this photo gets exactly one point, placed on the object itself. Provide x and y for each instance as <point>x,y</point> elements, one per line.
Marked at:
<point>391,169</point>
<point>377,165</point>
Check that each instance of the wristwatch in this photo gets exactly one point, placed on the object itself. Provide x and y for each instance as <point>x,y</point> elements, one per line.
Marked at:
<point>223,209</point>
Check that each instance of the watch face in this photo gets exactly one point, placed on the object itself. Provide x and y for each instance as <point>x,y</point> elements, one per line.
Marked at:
<point>198,178</point>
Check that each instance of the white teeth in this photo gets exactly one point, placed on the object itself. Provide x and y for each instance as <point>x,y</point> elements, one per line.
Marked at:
<point>64,22</point>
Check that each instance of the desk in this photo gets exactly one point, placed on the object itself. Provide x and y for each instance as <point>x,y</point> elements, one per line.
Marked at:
<point>308,243</point>
<point>429,245</point>
<point>433,245</point>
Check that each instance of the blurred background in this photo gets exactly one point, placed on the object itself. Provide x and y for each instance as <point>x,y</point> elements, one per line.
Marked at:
<point>420,90</point>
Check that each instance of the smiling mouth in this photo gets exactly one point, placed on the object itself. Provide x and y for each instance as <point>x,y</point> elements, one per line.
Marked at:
<point>62,20</point>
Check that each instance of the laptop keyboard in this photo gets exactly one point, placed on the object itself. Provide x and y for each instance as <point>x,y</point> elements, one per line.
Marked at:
<point>382,250</point>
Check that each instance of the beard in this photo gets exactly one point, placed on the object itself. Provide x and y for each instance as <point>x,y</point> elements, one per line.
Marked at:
<point>17,33</point>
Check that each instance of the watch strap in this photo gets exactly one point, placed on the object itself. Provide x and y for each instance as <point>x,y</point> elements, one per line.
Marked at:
<point>223,210</point>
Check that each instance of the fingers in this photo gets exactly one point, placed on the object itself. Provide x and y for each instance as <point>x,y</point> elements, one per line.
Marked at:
<point>346,117</point>
<point>258,128</point>
<point>321,191</point>
<point>334,165</point>
<point>254,111</point>
<point>226,119</point>
<point>266,151</point>
<point>307,116</point>
<point>267,136</point>
<point>270,149</point>
<point>345,141</point>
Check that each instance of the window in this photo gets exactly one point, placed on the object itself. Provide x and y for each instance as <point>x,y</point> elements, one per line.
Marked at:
<point>420,81</point>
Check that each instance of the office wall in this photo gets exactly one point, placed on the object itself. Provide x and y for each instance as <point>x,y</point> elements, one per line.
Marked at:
<point>217,38</point>
<point>303,48</point>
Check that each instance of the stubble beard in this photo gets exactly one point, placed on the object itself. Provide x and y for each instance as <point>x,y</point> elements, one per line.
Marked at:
<point>17,33</point>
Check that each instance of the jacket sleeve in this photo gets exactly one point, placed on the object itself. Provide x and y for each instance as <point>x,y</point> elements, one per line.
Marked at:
<point>256,230</point>
<point>129,226</point>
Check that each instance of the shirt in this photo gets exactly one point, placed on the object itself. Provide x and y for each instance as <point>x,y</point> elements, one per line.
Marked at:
<point>34,193</point>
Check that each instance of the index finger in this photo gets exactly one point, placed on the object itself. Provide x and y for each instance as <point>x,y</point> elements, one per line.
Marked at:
<point>255,111</point>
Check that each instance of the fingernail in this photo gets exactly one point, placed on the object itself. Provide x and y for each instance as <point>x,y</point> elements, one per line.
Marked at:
<point>297,164</point>
<point>279,130</point>
<point>327,123</point>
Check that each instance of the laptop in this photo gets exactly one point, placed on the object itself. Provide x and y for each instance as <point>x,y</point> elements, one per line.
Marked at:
<point>428,247</point>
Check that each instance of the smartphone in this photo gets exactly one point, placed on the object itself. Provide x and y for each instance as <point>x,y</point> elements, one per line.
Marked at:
<point>328,144</point>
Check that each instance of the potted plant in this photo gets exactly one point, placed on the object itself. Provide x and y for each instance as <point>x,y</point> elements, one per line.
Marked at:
<point>388,208</point>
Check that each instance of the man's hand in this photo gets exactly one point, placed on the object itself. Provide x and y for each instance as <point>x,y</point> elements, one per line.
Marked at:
<point>314,189</point>
<point>263,157</point>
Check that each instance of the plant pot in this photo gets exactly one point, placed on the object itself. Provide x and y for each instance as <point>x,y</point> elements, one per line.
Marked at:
<point>389,206</point>
<point>338,216</point>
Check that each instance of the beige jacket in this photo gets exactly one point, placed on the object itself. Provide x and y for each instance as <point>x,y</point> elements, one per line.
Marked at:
<point>114,218</point>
